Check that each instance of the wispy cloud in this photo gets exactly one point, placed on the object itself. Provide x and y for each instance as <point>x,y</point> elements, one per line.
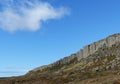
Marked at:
<point>27,14</point>
<point>6,72</point>
<point>10,71</point>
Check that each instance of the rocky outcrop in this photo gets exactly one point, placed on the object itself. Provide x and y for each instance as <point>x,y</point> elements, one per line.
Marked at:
<point>90,49</point>
<point>86,51</point>
<point>95,60</point>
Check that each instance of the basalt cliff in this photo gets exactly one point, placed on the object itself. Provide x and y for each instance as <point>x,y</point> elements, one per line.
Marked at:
<point>96,63</point>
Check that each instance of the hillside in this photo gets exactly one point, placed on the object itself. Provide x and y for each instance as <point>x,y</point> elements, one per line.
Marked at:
<point>97,63</point>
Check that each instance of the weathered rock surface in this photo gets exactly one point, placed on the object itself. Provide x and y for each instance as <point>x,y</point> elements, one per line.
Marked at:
<point>88,50</point>
<point>97,60</point>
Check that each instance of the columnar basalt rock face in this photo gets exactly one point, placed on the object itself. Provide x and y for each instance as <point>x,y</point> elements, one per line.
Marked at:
<point>92,48</point>
<point>111,40</point>
<point>63,61</point>
<point>102,58</point>
<point>67,59</point>
<point>79,54</point>
<point>88,50</point>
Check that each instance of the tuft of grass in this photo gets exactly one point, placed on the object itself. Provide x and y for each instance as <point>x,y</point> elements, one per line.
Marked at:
<point>75,66</point>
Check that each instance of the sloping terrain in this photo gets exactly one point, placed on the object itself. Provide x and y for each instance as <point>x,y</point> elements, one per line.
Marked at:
<point>101,65</point>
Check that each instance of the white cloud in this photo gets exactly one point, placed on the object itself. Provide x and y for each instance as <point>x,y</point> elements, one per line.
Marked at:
<point>27,14</point>
<point>12,71</point>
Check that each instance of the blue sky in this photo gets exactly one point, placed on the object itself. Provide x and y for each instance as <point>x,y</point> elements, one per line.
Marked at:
<point>39,32</point>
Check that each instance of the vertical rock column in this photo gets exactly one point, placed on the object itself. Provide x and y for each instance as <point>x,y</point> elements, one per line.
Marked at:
<point>80,55</point>
<point>86,51</point>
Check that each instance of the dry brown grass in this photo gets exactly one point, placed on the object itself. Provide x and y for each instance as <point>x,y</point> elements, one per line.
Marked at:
<point>110,79</point>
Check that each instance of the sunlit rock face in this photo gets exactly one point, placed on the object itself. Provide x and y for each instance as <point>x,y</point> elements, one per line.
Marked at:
<point>87,51</point>
<point>90,49</point>
<point>98,59</point>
